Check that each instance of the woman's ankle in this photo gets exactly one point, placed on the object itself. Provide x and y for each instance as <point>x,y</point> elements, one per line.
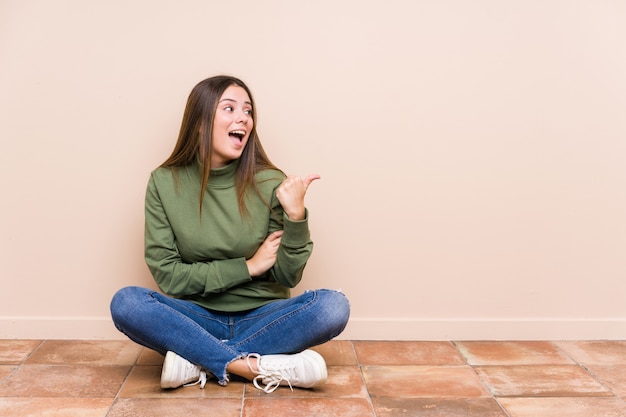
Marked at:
<point>245,368</point>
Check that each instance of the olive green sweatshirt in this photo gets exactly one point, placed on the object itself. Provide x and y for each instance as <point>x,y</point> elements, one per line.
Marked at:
<point>204,259</point>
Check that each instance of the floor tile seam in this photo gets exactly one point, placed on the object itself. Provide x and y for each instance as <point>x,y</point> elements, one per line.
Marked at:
<point>620,360</point>
<point>305,396</point>
<point>6,379</point>
<point>32,352</point>
<point>536,365</point>
<point>578,395</point>
<point>77,365</point>
<point>356,356</point>
<point>458,350</point>
<point>598,394</point>
<point>65,397</point>
<point>567,354</point>
<point>77,397</point>
<point>247,385</point>
<point>243,399</point>
<point>585,364</point>
<point>502,407</point>
<point>601,382</point>
<point>124,382</point>
<point>417,364</point>
<point>367,392</point>
<point>363,380</point>
<point>141,351</point>
<point>484,383</point>
<point>438,397</point>
<point>557,348</point>
<point>109,406</point>
<point>554,393</point>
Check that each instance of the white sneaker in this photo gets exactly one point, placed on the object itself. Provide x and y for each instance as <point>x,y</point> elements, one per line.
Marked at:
<point>178,371</point>
<point>306,369</point>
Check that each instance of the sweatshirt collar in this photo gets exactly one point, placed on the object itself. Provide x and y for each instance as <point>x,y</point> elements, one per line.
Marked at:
<point>223,177</point>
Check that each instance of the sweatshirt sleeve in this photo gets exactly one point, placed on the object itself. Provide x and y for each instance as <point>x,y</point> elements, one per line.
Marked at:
<point>295,246</point>
<point>174,276</point>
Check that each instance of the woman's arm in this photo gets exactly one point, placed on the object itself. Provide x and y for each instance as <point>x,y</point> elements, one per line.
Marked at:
<point>174,276</point>
<point>295,243</point>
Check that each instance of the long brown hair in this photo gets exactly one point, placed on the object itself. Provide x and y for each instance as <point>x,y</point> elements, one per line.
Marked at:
<point>196,133</point>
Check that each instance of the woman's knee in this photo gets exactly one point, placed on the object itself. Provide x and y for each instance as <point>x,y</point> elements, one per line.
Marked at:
<point>125,300</point>
<point>335,308</point>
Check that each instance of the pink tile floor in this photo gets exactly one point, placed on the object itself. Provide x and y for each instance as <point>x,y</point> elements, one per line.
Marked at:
<point>366,378</point>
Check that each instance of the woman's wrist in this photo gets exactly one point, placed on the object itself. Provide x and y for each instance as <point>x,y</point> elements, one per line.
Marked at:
<point>296,215</point>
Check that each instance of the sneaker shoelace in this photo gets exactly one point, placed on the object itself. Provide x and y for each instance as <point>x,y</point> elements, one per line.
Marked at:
<point>272,377</point>
<point>201,381</point>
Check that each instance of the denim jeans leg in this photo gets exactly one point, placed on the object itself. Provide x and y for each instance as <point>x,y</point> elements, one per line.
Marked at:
<point>292,325</point>
<point>163,323</point>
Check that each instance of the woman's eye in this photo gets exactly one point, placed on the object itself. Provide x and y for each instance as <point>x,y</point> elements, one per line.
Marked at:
<point>248,112</point>
<point>228,108</point>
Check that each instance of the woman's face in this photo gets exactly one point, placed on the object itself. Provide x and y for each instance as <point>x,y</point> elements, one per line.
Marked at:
<point>231,126</point>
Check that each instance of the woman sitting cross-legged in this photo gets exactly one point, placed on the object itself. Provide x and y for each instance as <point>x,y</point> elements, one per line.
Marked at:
<point>226,237</point>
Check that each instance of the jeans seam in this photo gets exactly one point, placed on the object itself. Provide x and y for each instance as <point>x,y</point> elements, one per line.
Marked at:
<point>278,321</point>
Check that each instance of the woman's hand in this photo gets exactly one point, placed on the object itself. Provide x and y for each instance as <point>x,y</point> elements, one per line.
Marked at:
<point>291,195</point>
<point>265,256</point>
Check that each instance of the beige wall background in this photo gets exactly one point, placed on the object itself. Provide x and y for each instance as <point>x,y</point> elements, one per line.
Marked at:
<point>471,152</point>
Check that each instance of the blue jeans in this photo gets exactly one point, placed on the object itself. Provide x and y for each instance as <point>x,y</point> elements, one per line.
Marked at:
<point>213,339</point>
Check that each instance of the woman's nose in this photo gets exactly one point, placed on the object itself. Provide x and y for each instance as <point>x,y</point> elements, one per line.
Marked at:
<point>243,117</point>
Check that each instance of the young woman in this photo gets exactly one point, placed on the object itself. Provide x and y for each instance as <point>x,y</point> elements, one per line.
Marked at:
<point>226,237</point>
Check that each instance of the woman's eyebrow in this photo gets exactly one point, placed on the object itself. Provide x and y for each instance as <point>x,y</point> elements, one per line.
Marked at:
<point>235,101</point>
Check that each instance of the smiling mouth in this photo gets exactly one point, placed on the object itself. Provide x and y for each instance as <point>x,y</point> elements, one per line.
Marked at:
<point>238,134</point>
